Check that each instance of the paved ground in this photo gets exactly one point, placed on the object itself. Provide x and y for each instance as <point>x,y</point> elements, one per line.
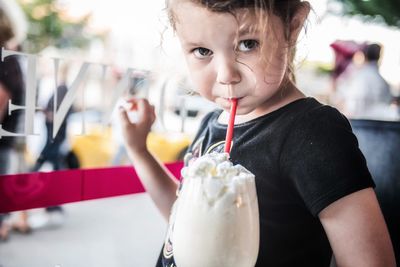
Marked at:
<point>114,232</point>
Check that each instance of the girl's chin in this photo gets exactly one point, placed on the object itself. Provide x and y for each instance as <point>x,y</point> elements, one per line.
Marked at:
<point>243,111</point>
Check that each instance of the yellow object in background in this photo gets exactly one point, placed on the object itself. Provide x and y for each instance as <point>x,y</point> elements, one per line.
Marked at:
<point>168,146</point>
<point>97,147</point>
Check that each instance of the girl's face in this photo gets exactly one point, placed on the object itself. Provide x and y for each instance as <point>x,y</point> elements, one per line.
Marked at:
<point>224,59</point>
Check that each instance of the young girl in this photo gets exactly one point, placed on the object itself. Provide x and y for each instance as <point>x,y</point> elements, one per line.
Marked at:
<point>314,190</point>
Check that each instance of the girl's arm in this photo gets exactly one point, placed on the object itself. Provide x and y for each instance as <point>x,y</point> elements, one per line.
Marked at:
<point>156,179</point>
<point>357,231</point>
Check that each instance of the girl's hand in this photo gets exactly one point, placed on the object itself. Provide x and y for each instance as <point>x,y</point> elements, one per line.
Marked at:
<point>135,134</point>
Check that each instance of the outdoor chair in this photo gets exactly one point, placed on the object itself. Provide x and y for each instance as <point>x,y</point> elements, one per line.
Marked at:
<point>380,143</point>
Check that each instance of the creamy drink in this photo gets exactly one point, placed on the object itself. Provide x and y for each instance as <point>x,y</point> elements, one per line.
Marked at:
<point>215,219</point>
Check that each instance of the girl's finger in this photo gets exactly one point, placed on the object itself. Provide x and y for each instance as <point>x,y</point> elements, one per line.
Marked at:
<point>153,113</point>
<point>144,110</point>
<point>124,116</point>
<point>134,103</point>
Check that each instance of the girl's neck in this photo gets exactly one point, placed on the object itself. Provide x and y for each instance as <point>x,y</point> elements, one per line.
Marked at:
<point>283,97</point>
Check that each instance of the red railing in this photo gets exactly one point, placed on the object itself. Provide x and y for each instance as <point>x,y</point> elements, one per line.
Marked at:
<point>43,189</point>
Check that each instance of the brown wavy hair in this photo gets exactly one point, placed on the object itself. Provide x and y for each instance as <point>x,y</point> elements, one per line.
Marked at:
<point>262,10</point>
<point>6,30</point>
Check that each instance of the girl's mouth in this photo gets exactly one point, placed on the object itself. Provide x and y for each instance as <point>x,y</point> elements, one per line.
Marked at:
<point>230,98</point>
<point>226,103</point>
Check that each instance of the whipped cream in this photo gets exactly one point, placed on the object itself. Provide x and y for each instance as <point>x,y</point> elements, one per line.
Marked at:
<point>215,218</point>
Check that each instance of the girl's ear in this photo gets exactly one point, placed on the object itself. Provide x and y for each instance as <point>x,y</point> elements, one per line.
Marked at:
<point>298,21</point>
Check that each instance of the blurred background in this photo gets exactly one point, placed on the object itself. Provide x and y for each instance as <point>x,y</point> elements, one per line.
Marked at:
<point>132,50</point>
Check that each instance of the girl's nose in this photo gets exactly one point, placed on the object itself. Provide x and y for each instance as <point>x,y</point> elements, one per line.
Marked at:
<point>228,73</point>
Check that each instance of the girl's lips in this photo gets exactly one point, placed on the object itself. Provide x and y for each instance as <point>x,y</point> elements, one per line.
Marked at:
<point>230,98</point>
<point>226,103</point>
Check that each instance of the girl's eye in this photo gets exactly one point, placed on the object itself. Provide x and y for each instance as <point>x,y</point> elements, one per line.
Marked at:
<point>202,52</point>
<point>247,45</point>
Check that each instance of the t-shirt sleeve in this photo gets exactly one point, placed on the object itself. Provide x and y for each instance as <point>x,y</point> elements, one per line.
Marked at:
<point>321,159</point>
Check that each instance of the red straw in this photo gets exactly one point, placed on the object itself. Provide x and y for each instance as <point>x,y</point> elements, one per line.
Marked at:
<point>229,131</point>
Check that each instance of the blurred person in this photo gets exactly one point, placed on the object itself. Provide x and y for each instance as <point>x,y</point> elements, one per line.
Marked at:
<point>344,51</point>
<point>21,223</point>
<point>11,88</point>
<point>20,165</point>
<point>54,151</point>
<point>365,94</point>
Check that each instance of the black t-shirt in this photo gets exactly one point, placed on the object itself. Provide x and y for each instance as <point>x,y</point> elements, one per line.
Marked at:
<point>304,157</point>
<point>11,79</point>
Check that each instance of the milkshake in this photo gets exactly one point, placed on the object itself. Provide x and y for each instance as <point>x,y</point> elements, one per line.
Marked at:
<point>215,218</point>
